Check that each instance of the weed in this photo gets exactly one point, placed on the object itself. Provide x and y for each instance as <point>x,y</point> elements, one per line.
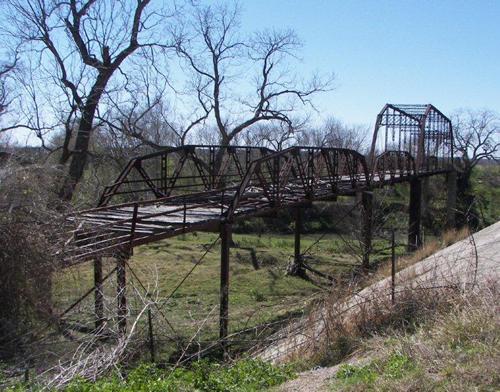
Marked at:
<point>352,374</point>
<point>257,295</point>
<point>398,365</point>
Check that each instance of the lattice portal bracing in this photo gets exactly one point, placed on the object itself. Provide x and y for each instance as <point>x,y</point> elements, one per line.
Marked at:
<point>421,131</point>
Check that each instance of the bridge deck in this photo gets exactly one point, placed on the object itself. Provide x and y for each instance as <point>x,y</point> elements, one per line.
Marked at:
<point>103,230</point>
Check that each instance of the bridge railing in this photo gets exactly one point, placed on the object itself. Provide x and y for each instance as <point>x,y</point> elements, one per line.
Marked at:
<point>107,228</point>
<point>300,174</point>
<point>181,170</point>
<point>393,165</point>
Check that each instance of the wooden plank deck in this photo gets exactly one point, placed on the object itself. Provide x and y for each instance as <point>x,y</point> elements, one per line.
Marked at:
<point>106,229</point>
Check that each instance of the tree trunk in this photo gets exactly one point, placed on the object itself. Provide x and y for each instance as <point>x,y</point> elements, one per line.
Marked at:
<point>467,210</point>
<point>80,151</point>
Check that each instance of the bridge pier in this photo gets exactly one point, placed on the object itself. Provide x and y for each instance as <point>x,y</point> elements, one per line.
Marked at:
<point>451,199</point>
<point>121,291</point>
<point>366,230</point>
<point>296,267</point>
<point>426,203</point>
<point>225,234</point>
<point>415,209</point>
<point>98,294</point>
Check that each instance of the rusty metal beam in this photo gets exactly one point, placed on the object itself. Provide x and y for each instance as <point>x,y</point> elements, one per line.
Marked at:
<point>414,224</point>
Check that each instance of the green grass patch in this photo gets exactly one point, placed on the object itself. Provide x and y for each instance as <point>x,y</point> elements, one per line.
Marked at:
<point>395,367</point>
<point>244,375</point>
<point>257,295</point>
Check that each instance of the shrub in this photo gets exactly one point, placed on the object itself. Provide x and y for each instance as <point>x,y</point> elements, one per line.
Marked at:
<point>30,226</point>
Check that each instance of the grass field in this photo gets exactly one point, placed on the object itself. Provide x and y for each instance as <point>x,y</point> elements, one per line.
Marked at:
<point>260,290</point>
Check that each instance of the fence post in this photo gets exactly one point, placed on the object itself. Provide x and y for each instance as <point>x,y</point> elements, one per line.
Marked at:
<point>451,199</point>
<point>151,335</point>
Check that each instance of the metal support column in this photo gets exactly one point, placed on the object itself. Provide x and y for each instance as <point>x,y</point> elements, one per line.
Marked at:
<point>426,201</point>
<point>366,231</point>
<point>414,233</point>
<point>121,287</point>
<point>98,294</point>
<point>451,200</point>
<point>225,234</point>
<point>296,267</point>
<point>297,257</point>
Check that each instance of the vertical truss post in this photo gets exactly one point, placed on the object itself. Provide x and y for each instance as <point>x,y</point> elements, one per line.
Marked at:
<point>414,233</point>
<point>451,199</point>
<point>225,234</point>
<point>366,230</point>
<point>98,295</point>
<point>121,287</point>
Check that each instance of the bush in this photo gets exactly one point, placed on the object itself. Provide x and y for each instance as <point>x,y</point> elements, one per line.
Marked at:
<point>29,235</point>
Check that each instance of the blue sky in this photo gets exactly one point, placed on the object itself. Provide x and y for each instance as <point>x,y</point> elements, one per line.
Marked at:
<point>442,52</point>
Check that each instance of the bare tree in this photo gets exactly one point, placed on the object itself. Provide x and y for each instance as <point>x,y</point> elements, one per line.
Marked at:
<point>335,133</point>
<point>274,136</point>
<point>239,81</point>
<point>10,72</point>
<point>476,138</point>
<point>5,69</point>
<point>145,110</point>
<point>79,46</point>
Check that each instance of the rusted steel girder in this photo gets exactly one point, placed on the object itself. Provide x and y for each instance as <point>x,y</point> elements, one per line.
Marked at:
<point>414,225</point>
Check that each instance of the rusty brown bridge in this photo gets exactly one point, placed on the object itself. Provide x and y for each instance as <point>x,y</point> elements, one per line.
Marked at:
<point>207,188</point>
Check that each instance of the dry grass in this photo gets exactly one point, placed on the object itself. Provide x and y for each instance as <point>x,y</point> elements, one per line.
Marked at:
<point>448,238</point>
<point>455,349</point>
<point>345,325</point>
<point>348,316</point>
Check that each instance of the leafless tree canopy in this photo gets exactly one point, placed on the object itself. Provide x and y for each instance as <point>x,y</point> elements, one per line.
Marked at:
<point>241,81</point>
<point>78,74</point>
<point>5,69</point>
<point>334,133</point>
<point>477,137</point>
<point>74,49</point>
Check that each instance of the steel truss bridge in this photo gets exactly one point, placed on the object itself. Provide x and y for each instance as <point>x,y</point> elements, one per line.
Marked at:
<point>198,187</point>
<point>208,187</point>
